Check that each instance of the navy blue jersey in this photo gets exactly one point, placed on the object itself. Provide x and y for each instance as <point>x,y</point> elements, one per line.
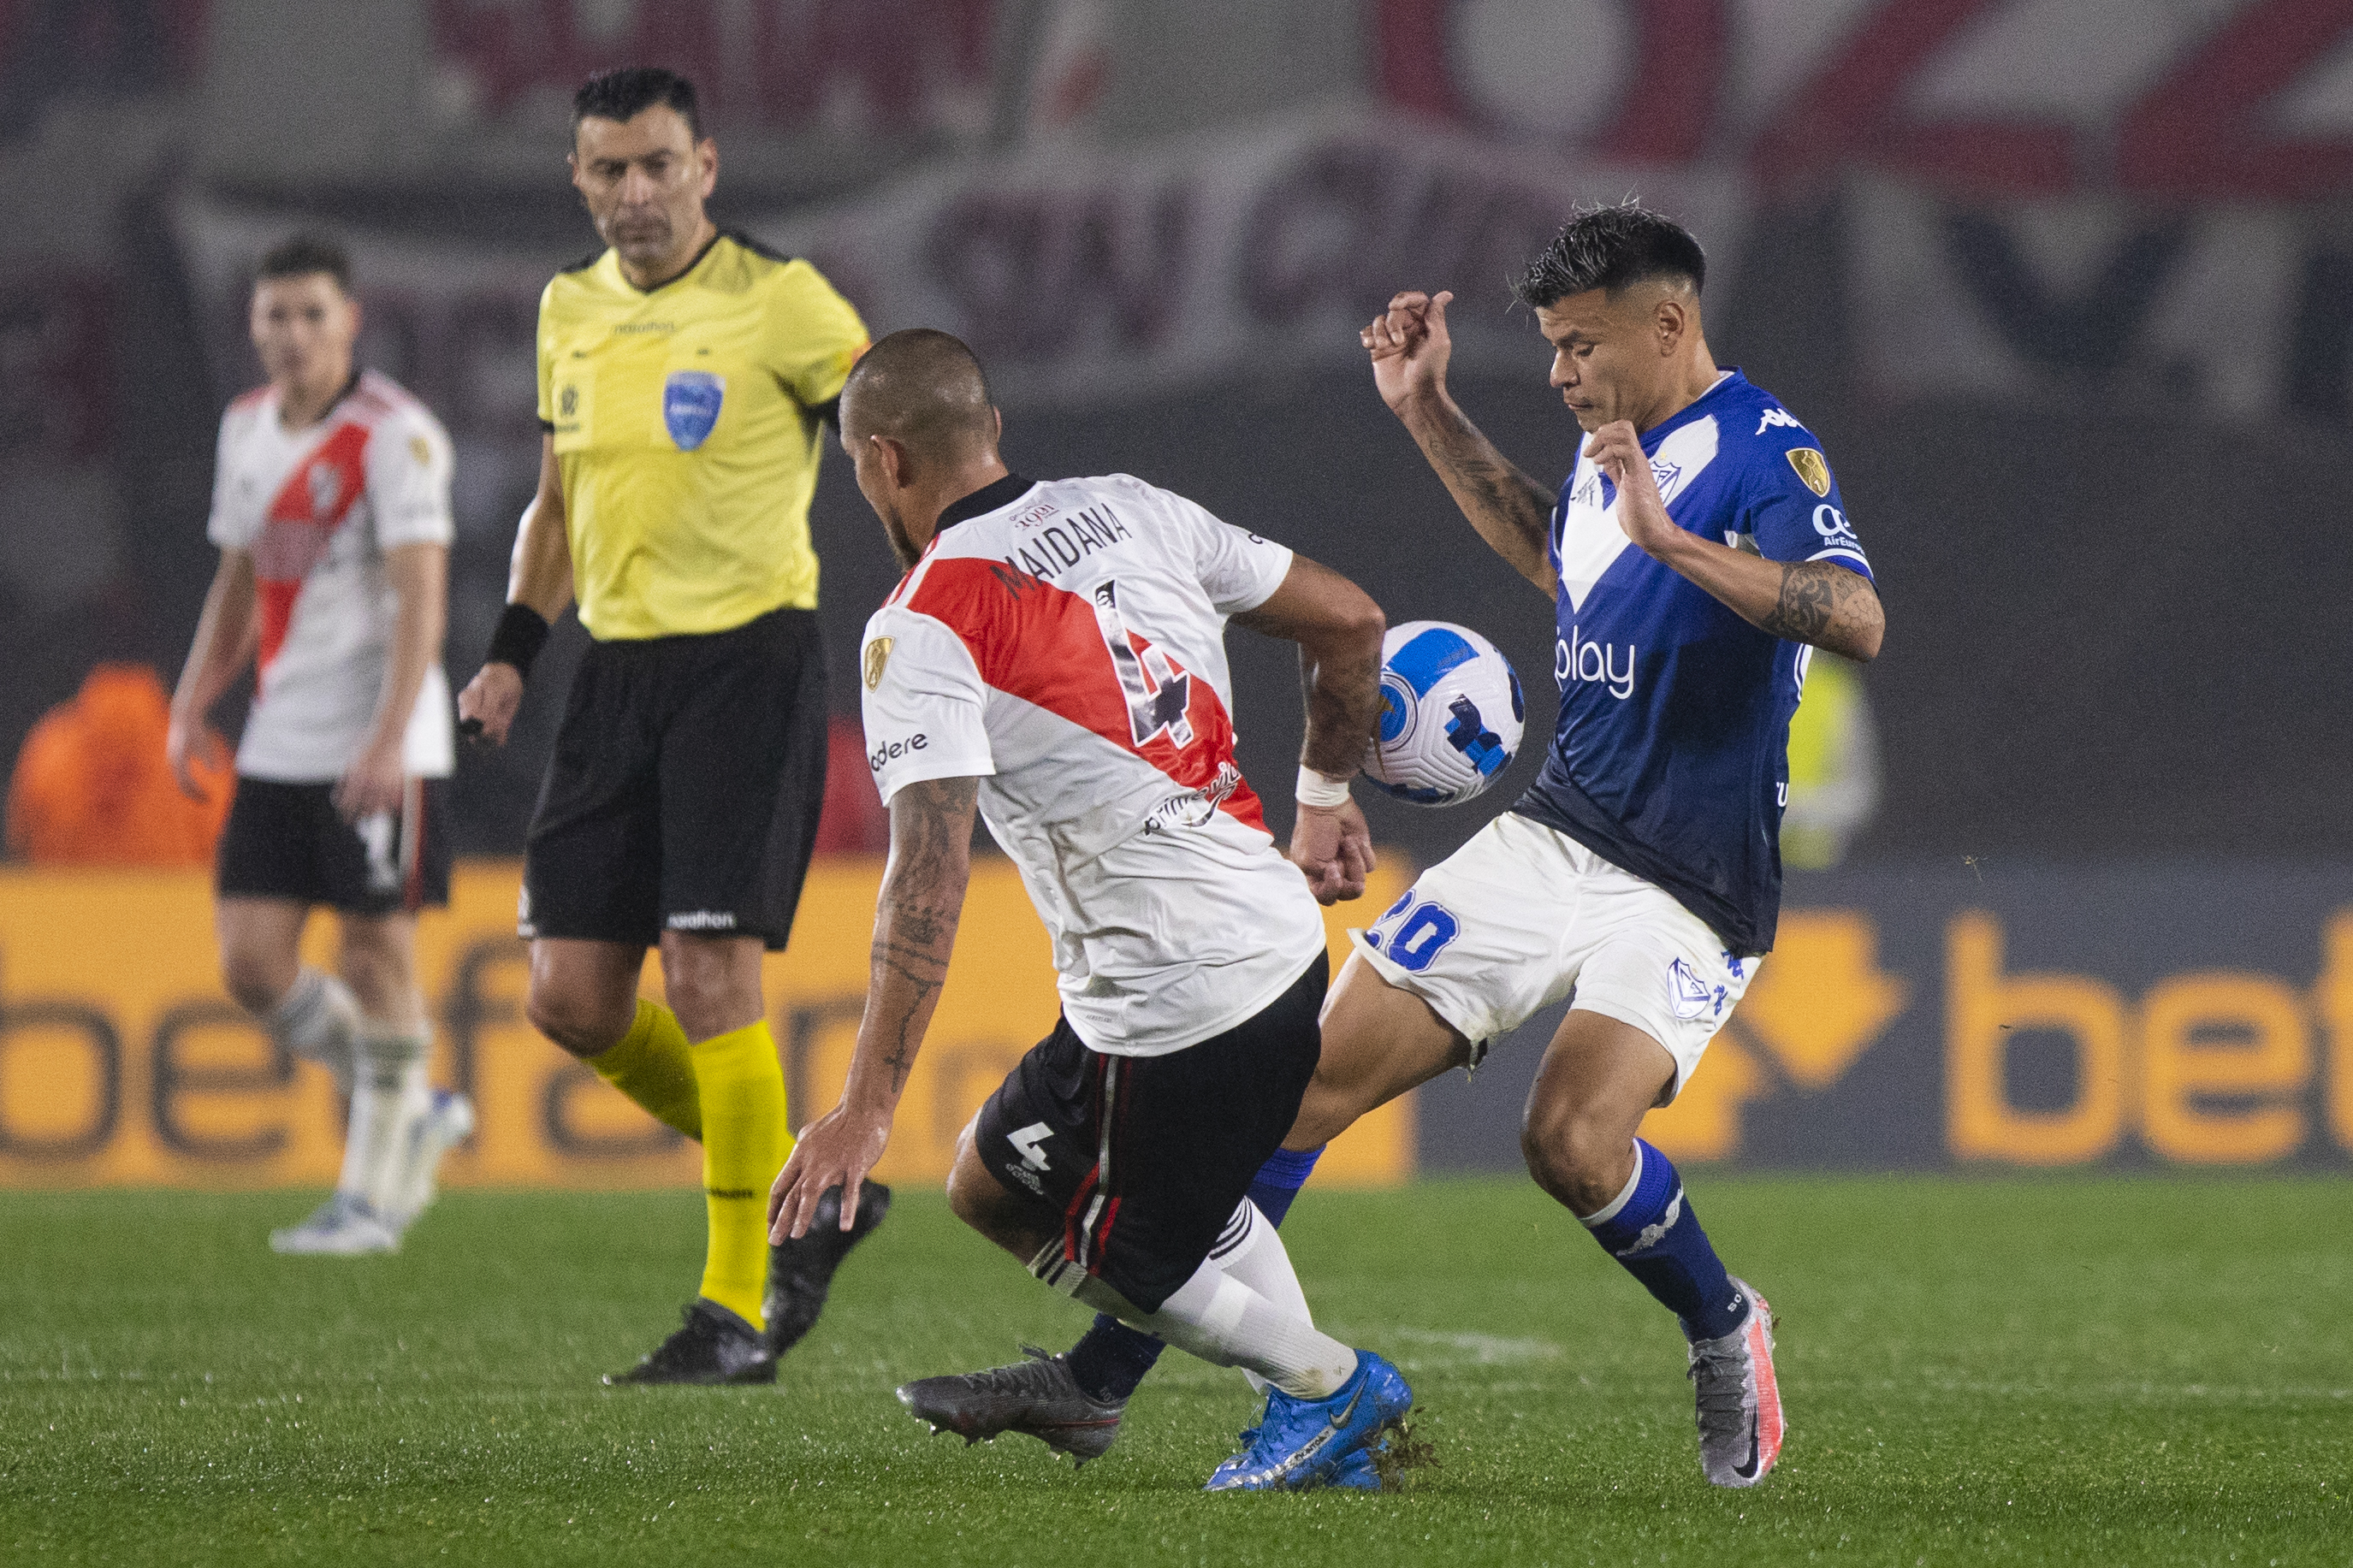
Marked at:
<point>1671,756</point>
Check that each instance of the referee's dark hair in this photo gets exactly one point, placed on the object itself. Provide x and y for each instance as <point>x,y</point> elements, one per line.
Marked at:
<point>627,91</point>
<point>923,389</point>
<point>1609,248</point>
<point>303,254</point>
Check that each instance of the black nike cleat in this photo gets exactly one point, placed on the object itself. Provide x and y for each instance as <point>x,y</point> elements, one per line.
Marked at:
<point>800,1271</point>
<point>715,1346</point>
<point>1038,1396</point>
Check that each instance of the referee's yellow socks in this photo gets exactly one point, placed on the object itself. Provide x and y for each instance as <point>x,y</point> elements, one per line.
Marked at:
<point>745,1142</point>
<point>654,1066</point>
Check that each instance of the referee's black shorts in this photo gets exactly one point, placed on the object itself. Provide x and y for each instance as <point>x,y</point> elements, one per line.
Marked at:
<point>685,791</point>
<point>1139,1162</point>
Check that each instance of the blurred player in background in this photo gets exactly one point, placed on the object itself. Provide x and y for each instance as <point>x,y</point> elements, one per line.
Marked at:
<point>1056,655</point>
<point>1696,555</point>
<point>331,507</point>
<point>683,377</point>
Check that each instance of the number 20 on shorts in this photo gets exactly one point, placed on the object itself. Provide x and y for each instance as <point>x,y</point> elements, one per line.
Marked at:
<point>1422,930</point>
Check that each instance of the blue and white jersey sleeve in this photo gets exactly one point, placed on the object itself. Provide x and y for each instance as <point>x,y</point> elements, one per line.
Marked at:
<point>1792,510</point>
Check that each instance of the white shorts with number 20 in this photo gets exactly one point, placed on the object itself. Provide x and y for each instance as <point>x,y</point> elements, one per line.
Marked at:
<point>1522,916</point>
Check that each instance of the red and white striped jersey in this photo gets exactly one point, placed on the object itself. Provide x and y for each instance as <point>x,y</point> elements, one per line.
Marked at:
<point>318,508</point>
<point>1065,643</point>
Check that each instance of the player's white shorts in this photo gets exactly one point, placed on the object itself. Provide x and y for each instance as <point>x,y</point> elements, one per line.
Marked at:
<point>1522,916</point>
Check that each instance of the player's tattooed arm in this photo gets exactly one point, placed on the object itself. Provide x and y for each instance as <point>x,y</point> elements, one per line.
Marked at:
<point>1828,605</point>
<point>915,925</point>
<point>915,932</point>
<point>1339,628</point>
<point>1410,346</point>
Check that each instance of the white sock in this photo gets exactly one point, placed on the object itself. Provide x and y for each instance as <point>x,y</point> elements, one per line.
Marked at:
<point>389,1095</point>
<point>1225,1322</point>
<point>318,1019</point>
<point>1252,1252</point>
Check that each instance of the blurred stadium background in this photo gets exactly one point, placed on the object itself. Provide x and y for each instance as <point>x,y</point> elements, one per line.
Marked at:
<point>2065,287</point>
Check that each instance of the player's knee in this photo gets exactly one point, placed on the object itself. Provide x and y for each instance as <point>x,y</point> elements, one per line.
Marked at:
<point>257,978</point>
<point>1574,1155</point>
<point>582,1025</point>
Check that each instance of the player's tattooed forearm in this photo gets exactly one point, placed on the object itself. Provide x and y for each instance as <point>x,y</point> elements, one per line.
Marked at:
<point>923,894</point>
<point>1822,604</point>
<point>1485,483</point>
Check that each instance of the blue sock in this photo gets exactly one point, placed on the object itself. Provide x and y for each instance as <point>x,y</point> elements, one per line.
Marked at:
<point>1652,1229</point>
<point>1279,1181</point>
<point>1111,1359</point>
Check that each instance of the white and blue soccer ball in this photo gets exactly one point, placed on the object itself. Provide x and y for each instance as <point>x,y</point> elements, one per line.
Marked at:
<point>1450,714</point>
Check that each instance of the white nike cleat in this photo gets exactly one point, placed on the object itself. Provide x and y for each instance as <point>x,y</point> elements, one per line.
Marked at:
<point>342,1227</point>
<point>448,1122</point>
<point>1740,1423</point>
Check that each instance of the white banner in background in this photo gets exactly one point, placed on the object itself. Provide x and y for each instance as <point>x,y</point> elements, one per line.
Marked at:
<point>1080,275</point>
<point>1076,275</point>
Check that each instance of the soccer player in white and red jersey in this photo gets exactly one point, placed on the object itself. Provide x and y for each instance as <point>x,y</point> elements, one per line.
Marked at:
<point>1055,658</point>
<point>331,507</point>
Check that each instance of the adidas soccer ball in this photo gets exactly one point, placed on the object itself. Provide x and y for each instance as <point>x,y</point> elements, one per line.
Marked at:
<point>1450,714</point>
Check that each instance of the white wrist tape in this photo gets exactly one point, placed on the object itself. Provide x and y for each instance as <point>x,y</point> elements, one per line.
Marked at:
<point>1322,793</point>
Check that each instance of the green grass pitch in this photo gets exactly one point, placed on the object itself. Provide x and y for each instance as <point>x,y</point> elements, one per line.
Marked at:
<point>2069,1370</point>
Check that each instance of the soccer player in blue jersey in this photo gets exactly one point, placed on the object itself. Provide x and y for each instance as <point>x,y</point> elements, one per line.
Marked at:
<point>1697,555</point>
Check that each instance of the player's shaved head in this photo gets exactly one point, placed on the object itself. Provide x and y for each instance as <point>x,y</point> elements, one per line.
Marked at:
<point>923,389</point>
<point>1611,248</point>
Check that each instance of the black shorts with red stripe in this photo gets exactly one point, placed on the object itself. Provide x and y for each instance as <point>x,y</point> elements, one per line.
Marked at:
<point>287,841</point>
<point>1141,1161</point>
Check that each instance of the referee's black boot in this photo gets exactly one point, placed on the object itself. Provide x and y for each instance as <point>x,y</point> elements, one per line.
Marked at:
<point>800,1271</point>
<point>715,1346</point>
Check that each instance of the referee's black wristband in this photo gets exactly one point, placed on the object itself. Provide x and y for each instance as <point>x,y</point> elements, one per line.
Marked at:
<point>522,633</point>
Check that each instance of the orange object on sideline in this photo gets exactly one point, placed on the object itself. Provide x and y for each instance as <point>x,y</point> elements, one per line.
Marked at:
<point>92,786</point>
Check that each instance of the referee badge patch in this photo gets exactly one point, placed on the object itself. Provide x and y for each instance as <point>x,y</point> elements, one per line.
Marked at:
<point>878,656</point>
<point>1812,467</point>
<point>690,400</point>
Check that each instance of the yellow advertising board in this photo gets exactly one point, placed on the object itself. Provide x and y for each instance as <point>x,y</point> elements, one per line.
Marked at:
<point>123,1063</point>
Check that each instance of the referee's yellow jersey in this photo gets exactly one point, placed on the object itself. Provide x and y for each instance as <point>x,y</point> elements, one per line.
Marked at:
<point>686,434</point>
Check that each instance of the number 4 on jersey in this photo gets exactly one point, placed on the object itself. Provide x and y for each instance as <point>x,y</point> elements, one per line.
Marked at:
<point>1158,693</point>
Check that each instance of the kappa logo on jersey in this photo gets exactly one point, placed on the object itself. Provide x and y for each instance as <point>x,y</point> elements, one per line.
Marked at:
<point>1778,416</point>
<point>1158,693</point>
<point>691,401</point>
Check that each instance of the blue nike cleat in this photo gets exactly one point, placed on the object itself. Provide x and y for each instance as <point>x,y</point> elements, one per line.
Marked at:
<point>1303,1443</point>
<point>1356,1473</point>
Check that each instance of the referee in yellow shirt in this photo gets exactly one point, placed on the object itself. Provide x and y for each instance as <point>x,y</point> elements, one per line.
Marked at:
<point>683,375</point>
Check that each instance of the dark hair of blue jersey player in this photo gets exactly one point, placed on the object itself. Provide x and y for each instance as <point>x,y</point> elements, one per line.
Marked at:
<point>1617,298</point>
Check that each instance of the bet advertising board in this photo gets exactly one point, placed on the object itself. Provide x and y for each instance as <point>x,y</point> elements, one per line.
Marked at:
<point>1975,1016</point>
<point>123,1063</point>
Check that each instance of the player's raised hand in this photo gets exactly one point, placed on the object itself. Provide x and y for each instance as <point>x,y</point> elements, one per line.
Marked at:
<point>1617,450</point>
<point>486,709</point>
<point>1334,850</point>
<point>1409,346</point>
<point>836,1150</point>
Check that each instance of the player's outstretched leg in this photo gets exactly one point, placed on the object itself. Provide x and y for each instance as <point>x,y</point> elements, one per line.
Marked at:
<point>1111,1360</point>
